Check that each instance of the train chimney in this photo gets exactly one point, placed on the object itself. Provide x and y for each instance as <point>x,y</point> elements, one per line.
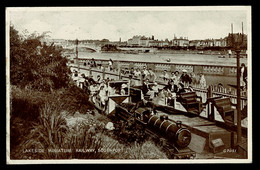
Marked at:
<point>178,123</point>
<point>163,117</point>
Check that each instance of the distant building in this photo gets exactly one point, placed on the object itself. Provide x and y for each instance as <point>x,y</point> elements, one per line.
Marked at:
<point>144,42</point>
<point>181,42</point>
<point>207,43</point>
<point>141,41</point>
<point>220,42</point>
<point>135,41</point>
<point>163,43</point>
<point>153,43</point>
<point>194,43</point>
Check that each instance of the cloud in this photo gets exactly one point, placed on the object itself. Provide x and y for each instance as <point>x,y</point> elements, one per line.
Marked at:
<point>69,31</point>
<point>115,24</point>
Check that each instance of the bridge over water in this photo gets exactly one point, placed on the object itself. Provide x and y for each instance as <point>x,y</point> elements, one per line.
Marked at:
<point>91,46</point>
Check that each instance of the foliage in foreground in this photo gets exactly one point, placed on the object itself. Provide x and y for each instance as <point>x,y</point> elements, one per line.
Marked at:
<point>83,135</point>
<point>36,65</point>
<point>27,107</point>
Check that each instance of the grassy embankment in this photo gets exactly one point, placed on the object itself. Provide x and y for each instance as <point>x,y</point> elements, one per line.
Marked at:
<point>64,119</point>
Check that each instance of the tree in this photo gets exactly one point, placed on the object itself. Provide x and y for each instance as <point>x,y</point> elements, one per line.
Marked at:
<point>36,65</point>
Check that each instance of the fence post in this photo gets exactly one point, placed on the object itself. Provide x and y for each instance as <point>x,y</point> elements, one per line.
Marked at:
<point>210,106</point>
<point>90,72</point>
<point>209,92</point>
<point>119,73</point>
<point>211,117</point>
<point>103,73</point>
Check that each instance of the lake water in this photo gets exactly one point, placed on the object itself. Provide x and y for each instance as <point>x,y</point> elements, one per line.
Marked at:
<point>200,59</point>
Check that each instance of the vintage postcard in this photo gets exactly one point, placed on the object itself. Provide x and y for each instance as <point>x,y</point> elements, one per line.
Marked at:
<point>129,85</point>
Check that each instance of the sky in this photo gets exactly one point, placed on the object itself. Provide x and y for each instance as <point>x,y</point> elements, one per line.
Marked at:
<point>124,23</point>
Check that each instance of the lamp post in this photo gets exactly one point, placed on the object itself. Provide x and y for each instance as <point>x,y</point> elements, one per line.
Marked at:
<point>239,133</point>
<point>237,47</point>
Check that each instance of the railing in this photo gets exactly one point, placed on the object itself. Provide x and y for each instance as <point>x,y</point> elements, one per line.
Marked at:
<point>210,69</point>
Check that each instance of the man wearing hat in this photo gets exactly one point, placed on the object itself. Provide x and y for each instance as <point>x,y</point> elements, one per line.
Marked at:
<point>185,78</point>
<point>152,75</point>
<point>132,81</point>
<point>165,75</point>
<point>123,89</point>
<point>91,80</point>
<point>146,87</point>
<point>145,72</point>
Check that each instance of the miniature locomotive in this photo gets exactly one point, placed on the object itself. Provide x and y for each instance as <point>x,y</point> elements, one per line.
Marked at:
<point>173,138</point>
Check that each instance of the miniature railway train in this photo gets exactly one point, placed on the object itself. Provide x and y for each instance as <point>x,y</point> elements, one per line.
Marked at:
<point>173,138</point>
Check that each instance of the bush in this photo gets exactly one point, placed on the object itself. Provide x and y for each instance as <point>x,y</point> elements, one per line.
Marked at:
<point>75,99</point>
<point>25,103</point>
<point>36,65</point>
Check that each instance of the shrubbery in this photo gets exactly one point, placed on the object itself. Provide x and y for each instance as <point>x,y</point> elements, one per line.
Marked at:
<point>36,65</point>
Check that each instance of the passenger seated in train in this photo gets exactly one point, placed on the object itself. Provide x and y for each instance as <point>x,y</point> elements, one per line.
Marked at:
<point>152,75</point>
<point>93,89</point>
<point>146,87</point>
<point>98,79</point>
<point>80,81</point>
<point>171,86</point>
<point>123,90</point>
<point>169,94</point>
<point>152,91</point>
<point>111,91</point>
<point>165,76</point>
<point>132,71</point>
<point>74,76</point>
<point>145,72</point>
<point>103,94</point>
<point>132,81</point>
<point>137,73</point>
<point>185,78</point>
<point>91,80</point>
<point>180,89</point>
<point>145,103</point>
<point>104,84</point>
<point>160,99</point>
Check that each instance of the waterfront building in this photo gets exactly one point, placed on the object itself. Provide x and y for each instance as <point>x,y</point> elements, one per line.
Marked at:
<point>207,43</point>
<point>163,43</point>
<point>153,43</point>
<point>220,42</point>
<point>144,41</point>
<point>194,43</point>
<point>135,41</point>
<point>181,42</point>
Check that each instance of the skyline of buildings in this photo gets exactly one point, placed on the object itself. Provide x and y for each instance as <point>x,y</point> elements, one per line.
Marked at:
<point>143,41</point>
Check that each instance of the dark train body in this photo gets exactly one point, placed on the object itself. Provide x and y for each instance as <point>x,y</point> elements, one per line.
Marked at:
<point>173,138</point>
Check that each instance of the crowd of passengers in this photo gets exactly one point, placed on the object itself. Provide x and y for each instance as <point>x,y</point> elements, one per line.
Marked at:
<point>175,84</point>
<point>167,77</point>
